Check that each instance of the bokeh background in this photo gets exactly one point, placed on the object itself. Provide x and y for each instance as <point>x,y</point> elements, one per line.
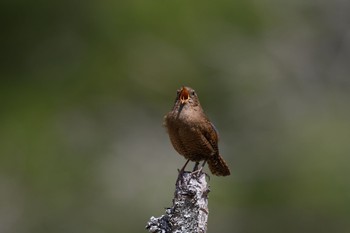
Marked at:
<point>85,86</point>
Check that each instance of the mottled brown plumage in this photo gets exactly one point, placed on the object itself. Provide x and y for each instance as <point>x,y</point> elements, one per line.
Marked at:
<point>192,134</point>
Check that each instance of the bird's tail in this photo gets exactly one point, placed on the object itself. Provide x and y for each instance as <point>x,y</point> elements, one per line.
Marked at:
<point>218,166</point>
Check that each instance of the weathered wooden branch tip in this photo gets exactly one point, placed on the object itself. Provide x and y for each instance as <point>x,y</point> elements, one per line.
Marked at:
<point>189,212</point>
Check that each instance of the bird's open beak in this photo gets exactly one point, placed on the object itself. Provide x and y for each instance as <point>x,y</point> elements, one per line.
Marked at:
<point>184,95</point>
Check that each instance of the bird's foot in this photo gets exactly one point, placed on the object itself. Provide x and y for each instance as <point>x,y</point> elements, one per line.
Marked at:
<point>195,168</point>
<point>198,172</point>
<point>183,168</point>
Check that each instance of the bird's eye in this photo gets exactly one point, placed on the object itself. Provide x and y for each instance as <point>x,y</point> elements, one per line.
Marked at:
<point>193,93</point>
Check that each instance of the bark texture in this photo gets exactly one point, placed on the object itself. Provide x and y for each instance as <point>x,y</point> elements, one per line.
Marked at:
<point>189,212</point>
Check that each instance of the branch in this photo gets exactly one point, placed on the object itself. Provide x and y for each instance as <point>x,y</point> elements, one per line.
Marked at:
<point>189,212</point>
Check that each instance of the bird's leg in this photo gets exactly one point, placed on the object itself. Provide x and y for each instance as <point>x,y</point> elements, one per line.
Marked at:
<point>183,168</point>
<point>205,161</point>
<point>196,171</point>
<point>195,168</point>
<point>200,169</point>
<point>181,172</point>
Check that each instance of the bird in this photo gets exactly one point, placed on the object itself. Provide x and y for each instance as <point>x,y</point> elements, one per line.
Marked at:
<point>192,134</point>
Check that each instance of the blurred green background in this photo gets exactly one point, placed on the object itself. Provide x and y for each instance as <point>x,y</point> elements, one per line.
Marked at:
<point>85,86</point>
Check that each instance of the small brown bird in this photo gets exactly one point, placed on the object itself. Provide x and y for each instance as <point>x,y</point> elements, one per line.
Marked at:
<point>192,134</point>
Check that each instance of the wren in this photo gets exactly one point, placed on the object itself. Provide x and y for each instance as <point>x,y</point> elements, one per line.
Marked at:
<point>192,134</point>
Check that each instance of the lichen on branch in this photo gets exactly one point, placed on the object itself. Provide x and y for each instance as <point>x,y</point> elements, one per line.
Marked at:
<point>189,212</point>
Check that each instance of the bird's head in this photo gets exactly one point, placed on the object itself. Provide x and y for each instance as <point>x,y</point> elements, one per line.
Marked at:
<point>187,95</point>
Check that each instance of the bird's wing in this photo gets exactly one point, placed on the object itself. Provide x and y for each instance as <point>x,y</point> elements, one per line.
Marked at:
<point>216,131</point>
<point>211,135</point>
